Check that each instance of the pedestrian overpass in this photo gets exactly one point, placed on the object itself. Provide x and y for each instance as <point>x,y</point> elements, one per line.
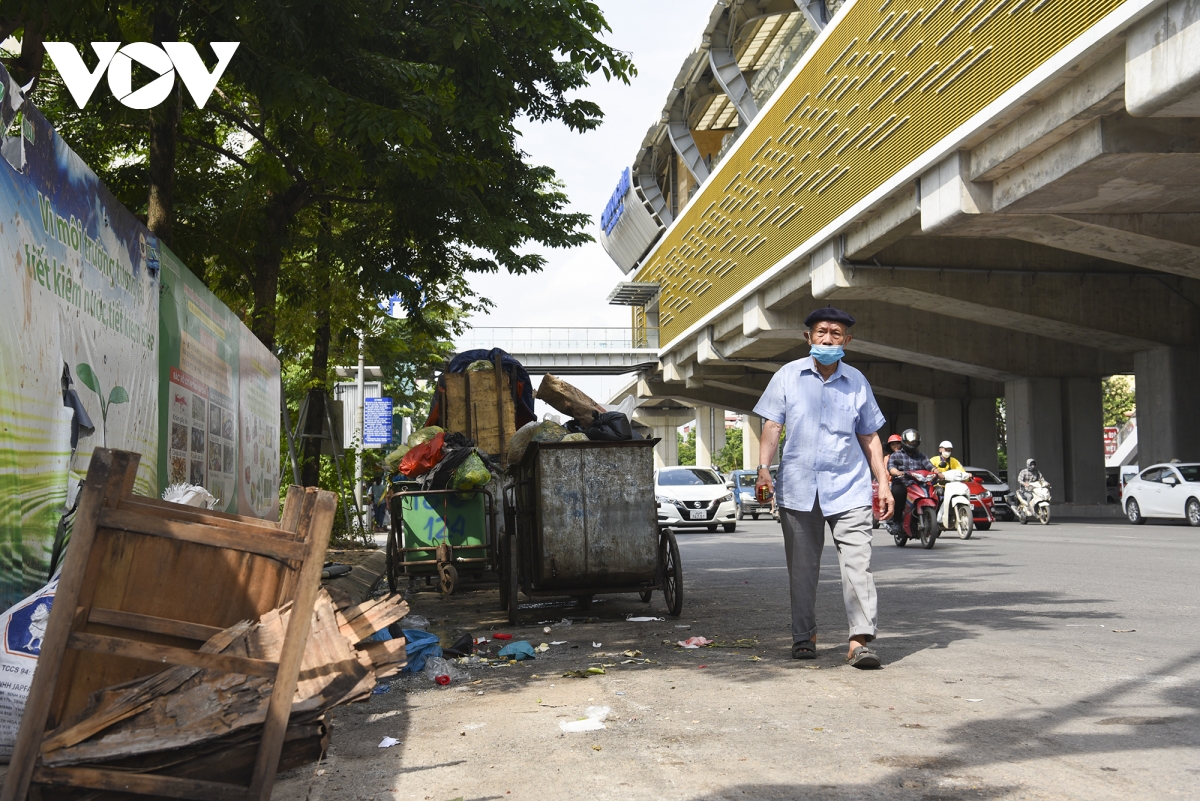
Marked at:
<point>1004,193</point>
<point>569,351</point>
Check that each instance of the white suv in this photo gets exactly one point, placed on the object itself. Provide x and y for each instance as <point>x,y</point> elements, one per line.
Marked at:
<point>693,497</point>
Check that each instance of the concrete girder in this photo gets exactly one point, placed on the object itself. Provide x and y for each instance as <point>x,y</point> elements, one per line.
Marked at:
<point>1115,164</point>
<point>739,402</point>
<point>1090,309</point>
<point>957,346</point>
<point>681,138</point>
<point>1162,71</point>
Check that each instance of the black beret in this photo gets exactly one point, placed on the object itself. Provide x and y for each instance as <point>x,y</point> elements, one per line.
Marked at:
<point>830,314</point>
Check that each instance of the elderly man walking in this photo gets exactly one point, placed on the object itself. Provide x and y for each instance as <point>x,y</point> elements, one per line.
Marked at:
<point>830,454</point>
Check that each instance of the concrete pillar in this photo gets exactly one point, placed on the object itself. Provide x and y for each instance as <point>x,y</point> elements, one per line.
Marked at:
<point>980,448</point>
<point>751,437</point>
<point>666,452</point>
<point>938,420</point>
<point>1033,408</point>
<point>1168,384</point>
<point>1083,441</point>
<point>710,434</point>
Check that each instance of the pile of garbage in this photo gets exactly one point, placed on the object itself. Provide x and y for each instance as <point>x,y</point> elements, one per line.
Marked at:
<point>441,460</point>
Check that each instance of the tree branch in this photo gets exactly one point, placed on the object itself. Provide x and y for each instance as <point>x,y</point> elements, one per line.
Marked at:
<point>215,149</point>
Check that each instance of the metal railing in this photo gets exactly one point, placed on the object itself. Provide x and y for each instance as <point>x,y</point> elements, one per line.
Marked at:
<point>558,339</point>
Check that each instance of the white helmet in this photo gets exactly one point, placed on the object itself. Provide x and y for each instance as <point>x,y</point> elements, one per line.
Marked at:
<point>947,444</point>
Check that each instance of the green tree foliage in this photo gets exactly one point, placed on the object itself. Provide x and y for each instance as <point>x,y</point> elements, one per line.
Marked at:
<point>687,447</point>
<point>1120,399</point>
<point>730,455</point>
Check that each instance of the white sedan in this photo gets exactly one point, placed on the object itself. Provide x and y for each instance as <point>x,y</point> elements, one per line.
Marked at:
<point>693,497</point>
<point>1164,490</point>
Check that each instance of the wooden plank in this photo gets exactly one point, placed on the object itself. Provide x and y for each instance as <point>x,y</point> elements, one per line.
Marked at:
<point>170,655</point>
<point>386,653</point>
<point>178,511</point>
<point>158,625</point>
<point>140,783</point>
<point>316,521</point>
<point>117,704</point>
<point>201,534</point>
<point>455,410</point>
<point>105,475</point>
<point>501,394</point>
<point>360,622</point>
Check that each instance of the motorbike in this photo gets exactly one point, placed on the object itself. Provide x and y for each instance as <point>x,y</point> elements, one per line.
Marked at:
<point>1038,505</point>
<point>955,512</point>
<point>920,521</point>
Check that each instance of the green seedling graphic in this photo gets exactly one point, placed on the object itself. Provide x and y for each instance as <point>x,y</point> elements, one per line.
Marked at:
<point>115,396</point>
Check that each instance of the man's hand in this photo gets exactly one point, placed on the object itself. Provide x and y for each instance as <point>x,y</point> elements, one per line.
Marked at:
<point>764,480</point>
<point>889,503</point>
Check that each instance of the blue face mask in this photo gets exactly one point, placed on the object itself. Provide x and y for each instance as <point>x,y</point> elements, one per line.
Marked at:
<point>826,354</point>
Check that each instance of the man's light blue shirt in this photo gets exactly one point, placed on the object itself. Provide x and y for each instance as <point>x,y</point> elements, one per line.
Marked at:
<point>822,457</point>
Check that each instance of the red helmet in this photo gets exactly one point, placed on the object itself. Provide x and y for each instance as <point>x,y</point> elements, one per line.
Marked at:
<point>895,438</point>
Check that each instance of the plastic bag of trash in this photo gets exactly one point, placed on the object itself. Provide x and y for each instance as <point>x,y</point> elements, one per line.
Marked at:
<point>23,627</point>
<point>520,441</point>
<point>393,458</point>
<point>423,435</point>
<point>549,431</point>
<point>422,458</point>
<point>414,622</point>
<point>419,647</point>
<point>191,495</point>
<point>519,650</point>
<point>470,474</point>
<point>480,366</point>
<point>442,672</point>
<point>578,436</point>
<point>592,720</point>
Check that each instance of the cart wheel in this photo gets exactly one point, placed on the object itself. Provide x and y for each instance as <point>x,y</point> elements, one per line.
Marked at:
<point>511,577</point>
<point>449,579</point>
<point>393,574</point>
<point>672,573</point>
<point>584,601</point>
<point>646,595</point>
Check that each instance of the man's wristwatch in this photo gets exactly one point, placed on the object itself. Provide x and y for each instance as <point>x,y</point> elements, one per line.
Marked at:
<point>766,467</point>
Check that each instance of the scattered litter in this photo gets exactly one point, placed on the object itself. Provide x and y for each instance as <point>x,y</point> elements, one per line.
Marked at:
<point>683,626</point>
<point>754,659</point>
<point>620,693</point>
<point>442,672</point>
<point>566,621</point>
<point>694,642</point>
<point>597,748</point>
<point>500,636</point>
<point>974,700</point>
<point>380,689</point>
<point>558,642</point>
<point>519,650</point>
<point>593,720</point>
<point>414,622</point>
<point>631,654</point>
<point>818,728</point>
<point>1124,631</point>
<point>583,674</point>
<point>321,772</point>
<point>386,742</point>
<point>1114,770</point>
<point>543,648</point>
<point>546,630</point>
<point>701,667</point>
<point>597,644</point>
<point>1084,625</point>
<point>911,726</point>
<point>643,619</point>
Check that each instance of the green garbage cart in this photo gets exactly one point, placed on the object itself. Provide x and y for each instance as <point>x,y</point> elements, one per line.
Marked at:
<point>450,534</point>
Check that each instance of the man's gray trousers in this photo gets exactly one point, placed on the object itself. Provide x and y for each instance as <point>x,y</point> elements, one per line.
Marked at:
<point>803,541</point>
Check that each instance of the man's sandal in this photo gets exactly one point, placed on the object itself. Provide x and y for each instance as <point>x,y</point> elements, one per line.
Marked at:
<point>864,658</point>
<point>805,649</point>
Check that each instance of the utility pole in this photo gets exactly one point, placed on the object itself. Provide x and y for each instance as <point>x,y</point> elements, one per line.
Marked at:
<point>360,415</point>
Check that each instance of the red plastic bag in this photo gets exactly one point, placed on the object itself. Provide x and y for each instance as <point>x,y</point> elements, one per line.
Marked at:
<point>423,458</point>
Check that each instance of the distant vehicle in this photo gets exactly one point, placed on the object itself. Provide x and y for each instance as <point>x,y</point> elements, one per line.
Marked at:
<point>741,483</point>
<point>1164,490</point>
<point>693,497</point>
<point>999,489</point>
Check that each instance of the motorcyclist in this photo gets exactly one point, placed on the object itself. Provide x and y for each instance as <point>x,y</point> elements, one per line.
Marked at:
<point>1026,477</point>
<point>907,457</point>
<point>944,460</point>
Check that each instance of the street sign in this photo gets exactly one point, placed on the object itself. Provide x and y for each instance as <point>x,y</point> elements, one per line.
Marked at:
<point>1110,440</point>
<point>377,422</point>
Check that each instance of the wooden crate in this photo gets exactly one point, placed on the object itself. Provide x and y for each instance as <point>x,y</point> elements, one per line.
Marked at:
<point>480,405</point>
<point>144,584</point>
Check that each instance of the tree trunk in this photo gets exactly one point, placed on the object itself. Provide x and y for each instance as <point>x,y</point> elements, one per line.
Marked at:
<point>268,257</point>
<point>164,128</point>
<point>567,399</point>
<point>319,372</point>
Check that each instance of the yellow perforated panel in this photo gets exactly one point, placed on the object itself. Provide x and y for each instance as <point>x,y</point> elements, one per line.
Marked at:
<point>892,79</point>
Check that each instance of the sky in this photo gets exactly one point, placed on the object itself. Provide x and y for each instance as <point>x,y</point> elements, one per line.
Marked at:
<point>572,289</point>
